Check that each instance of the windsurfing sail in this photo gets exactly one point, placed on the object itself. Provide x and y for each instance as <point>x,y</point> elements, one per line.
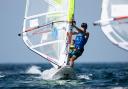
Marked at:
<point>114,21</point>
<point>45,28</point>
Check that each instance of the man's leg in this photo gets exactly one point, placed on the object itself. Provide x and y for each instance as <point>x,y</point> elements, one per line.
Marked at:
<point>75,55</point>
<point>72,59</point>
<point>69,56</point>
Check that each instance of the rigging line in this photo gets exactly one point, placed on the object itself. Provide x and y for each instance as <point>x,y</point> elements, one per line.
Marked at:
<point>37,27</point>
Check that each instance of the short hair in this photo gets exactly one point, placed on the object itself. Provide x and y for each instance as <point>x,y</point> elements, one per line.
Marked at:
<point>84,25</point>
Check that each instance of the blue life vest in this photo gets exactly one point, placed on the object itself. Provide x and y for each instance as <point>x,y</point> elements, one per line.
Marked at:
<point>80,41</point>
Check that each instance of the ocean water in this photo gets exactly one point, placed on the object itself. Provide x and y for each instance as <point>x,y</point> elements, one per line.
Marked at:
<point>89,76</point>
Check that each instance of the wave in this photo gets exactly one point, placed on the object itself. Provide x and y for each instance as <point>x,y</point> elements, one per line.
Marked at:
<point>1,76</point>
<point>84,76</point>
<point>34,70</point>
<point>119,88</point>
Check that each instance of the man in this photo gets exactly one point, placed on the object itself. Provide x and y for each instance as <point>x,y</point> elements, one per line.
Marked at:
<point>80,40</point>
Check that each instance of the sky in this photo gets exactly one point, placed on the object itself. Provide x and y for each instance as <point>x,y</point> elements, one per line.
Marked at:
<point>13,49</point>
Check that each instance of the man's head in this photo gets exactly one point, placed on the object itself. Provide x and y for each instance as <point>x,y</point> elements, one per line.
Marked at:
<point>84,25</point>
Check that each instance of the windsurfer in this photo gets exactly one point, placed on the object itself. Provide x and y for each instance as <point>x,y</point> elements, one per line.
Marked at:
<point>80,40</point>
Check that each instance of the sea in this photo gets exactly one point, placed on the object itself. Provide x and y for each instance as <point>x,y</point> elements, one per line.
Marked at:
<point>89,76</point>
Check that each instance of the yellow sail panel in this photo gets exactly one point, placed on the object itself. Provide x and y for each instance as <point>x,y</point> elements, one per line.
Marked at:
<point>59,1</point>
<point>71,10</point>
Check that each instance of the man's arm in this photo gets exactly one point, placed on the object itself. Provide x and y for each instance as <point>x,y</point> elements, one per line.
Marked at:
<point>87,34</point>
<point>74,33</point>
<point>78,29</point>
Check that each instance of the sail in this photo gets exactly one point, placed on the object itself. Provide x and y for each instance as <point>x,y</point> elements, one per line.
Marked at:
<point>114,21</point>
<point>45,28</point>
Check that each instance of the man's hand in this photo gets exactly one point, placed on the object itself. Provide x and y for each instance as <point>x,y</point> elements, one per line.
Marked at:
<point>72,22</point>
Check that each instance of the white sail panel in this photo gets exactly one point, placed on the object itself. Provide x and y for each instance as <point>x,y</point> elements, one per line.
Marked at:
<point>114,21</point>
<point>119,10</point>
<point>50,39</point>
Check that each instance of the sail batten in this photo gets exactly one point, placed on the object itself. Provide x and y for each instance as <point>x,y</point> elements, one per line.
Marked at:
<point>39,45</point>
<point>48,13</point>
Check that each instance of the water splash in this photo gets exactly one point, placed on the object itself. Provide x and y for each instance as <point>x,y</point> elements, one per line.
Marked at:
<point>34,70</point>
<point>1,76</point>
<point>118,88</point>
<point>84,76</point>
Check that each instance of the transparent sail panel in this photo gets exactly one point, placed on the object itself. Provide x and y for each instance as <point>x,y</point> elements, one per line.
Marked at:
<point>46,33</point>
<point>121,28</point>
<point>119,8</point>
<point>52,50</point>
<point>35,7</point>
<point>51,37</point>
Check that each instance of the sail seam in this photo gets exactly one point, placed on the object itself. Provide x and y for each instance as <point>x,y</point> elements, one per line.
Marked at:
<point>43,44</point>
<point>35,16</point>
